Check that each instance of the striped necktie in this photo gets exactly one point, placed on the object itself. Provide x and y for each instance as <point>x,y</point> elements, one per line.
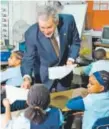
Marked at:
<point>55,45</point>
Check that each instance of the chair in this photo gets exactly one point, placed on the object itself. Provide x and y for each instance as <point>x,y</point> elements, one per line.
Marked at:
<point>22,46</point>
<point>102,123</point>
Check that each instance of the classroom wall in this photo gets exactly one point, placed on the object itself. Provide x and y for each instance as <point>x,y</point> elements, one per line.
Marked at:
<point>96,19</point>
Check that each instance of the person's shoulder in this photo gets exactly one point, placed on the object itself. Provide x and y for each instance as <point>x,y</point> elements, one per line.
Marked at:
<point>53,108</point>
<point>10,69</point>
<point>32,29</point>
<point>67,17</point>
<point>101,62</point>
<point>19,122</point>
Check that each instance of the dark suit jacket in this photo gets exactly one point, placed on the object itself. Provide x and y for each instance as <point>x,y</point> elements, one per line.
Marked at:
<point>39,49</point>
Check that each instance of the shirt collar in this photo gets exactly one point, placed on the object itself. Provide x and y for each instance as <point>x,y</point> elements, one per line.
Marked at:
<point>56,32</point>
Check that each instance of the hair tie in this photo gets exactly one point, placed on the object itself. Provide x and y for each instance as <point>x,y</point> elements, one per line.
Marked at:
<point>37,107</point>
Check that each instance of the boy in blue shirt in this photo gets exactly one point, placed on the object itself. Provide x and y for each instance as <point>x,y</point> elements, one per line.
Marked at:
<point>100,63</point>
<point>96,104</point>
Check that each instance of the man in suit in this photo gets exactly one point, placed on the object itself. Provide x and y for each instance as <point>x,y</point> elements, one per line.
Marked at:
<point>41,50</point>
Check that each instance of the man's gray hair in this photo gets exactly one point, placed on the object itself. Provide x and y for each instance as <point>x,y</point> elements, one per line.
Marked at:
<point>44,12</point>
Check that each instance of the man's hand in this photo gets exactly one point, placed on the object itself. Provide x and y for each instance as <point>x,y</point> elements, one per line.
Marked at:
<point>6,103</point>
<point>69,62</point>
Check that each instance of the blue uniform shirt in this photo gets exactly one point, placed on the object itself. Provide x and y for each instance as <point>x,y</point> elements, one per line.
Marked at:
<point>12,76</point>
<point>96,66</point>
<point>23,123</point>
<point>95,106</point>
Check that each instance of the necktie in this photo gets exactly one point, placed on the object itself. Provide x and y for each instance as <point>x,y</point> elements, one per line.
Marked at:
<point>55,45</point>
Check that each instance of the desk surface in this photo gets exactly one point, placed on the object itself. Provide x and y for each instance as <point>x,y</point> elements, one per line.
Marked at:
<point>101,44</point>
<point>96,34</point>
<point>59,99</point>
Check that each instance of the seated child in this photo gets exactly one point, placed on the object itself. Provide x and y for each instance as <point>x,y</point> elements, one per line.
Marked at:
<point>12,75</point>
<point>100,63</point>
<point>96,104</point>
<point>81,74</point>
<point>38,115</point>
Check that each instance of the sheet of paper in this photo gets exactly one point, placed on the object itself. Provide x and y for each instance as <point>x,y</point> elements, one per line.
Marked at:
<point>15,93</point>
<point>60,72</point>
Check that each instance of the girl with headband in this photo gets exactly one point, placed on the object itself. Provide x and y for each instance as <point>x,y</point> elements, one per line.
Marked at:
<point>96,104</point>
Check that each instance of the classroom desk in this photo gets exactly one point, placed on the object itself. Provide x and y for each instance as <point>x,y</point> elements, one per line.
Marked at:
<point>99,44</point>
<point>59,99</point>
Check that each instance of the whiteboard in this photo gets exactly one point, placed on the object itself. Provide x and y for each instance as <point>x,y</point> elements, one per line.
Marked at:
<point>79,13</point>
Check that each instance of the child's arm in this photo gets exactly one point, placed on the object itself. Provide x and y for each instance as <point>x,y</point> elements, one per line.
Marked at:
<point>76,104</point>
<point>87,69</point>
<point>7,116</point>
<point>83,70</point>
<point>7,74</point>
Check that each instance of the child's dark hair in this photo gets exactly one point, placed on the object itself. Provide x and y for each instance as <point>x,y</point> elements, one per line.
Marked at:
<point>38,101</point>
<point>18,54</point>
<point>105,77</point>
<point>99,54</point>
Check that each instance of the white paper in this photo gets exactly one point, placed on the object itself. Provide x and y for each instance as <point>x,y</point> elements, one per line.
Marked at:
<point>15,93</point>
<point>60,72</point>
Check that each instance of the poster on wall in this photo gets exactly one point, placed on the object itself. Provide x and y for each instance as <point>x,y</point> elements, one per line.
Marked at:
<point>101,5</point>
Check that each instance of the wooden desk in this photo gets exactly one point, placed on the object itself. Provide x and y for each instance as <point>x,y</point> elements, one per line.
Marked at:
<point>59,99</point>
<point>99,44</point>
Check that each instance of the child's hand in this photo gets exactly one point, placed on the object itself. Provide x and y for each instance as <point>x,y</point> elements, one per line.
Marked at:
<point>26,84</point>
<point>78,113</point>
<point>6,103</point>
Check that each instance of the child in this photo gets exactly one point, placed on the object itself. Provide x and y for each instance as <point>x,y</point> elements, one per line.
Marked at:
<point>96,104</point>
<point>12,75</point>
<point>38,115</point>
<point>100,63</point>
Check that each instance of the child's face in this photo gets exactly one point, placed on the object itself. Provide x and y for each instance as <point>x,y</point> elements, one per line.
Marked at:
<point>13,61</point>
<point>99,55</point>
<point>94,86</point>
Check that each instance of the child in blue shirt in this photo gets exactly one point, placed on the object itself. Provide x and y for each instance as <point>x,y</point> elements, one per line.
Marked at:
<point>100,63</point>
<point>38,115</point>
<point>12,75</point>
<point>96,104</point>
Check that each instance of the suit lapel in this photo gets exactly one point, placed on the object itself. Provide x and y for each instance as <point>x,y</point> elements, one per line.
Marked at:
<point>62,38</point>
